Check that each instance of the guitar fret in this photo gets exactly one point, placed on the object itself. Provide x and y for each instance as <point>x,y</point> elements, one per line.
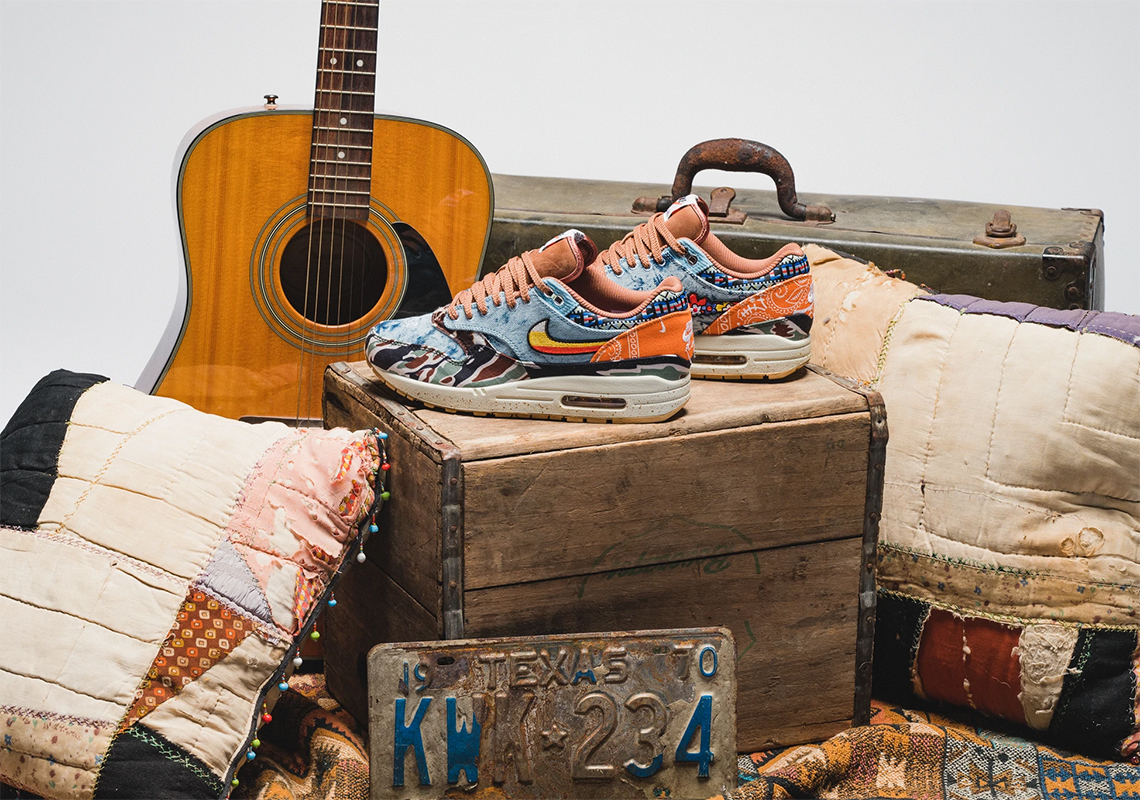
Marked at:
<point>334,205</point>
<point>341,161</point>
<point>363,72</point>
<point>350,27</point>
<point>344,91</point>
<point>337,191</point>
<point>346,50</point>
<point>342,128</point>
<point>342,147</point>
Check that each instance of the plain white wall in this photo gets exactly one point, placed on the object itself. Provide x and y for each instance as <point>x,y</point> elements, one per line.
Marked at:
<point>1007,102</point>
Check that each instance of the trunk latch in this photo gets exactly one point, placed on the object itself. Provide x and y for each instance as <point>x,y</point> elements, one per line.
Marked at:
<point>1000,232</point>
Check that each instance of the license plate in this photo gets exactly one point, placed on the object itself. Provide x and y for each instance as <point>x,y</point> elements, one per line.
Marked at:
<point>642,714</point>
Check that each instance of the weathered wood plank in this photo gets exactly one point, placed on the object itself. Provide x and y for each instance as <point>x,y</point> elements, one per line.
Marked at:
<point>713,405</point>
<point>792,612</point>
<point>594,509</point>
<point>408,543</point>
<point>370,609</point>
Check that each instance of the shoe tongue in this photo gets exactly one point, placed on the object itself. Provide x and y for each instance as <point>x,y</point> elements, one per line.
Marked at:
<point>688,218</point>
<point>565,256</point>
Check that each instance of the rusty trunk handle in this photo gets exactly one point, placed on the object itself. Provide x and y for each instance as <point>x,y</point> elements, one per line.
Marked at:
<point>744,155</point>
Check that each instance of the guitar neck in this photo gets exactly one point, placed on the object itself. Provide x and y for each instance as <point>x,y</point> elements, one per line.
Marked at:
<point>340,173</point>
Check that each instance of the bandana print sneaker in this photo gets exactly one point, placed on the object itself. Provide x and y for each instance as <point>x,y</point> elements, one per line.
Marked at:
<point>545,337</point>
<point>752,318</point>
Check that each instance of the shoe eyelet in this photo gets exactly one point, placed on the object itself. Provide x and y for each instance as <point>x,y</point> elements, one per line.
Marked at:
<point>693,259</point>
<point>558,300</point>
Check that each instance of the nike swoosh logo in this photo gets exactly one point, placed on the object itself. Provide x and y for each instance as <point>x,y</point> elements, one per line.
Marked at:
<point>539,339</point>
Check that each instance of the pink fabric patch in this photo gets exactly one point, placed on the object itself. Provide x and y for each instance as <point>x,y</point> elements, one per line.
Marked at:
<point>300,505</point>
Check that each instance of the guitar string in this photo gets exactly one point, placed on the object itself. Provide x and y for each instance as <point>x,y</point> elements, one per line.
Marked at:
<point>338,79</point>
<point>315,216</point>
<point>348,182</point>
<point>369,15</point>
<point>350,82</point>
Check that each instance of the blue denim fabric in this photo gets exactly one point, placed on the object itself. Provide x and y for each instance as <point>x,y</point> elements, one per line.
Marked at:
<point>508,330</point>
<point>419,331</point>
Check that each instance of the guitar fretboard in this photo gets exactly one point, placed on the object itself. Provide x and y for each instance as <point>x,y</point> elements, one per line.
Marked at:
<point>340,168</point>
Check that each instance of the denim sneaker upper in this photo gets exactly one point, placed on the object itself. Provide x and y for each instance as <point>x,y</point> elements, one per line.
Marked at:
<point>728,294</point>
<point>543,314</point>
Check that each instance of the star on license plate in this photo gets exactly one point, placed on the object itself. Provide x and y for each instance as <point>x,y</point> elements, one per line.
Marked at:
<point>643,714</point>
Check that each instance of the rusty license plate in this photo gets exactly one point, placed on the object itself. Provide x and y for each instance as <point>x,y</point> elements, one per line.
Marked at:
<point>641,714</point>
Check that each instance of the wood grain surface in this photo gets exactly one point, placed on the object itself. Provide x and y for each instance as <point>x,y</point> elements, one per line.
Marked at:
<point>592,509</point>
<point>371,608</point>
<point>792,612</point>
<point>713,405</point>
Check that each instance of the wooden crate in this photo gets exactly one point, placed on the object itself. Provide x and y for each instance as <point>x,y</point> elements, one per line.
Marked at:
<point>752,509</point>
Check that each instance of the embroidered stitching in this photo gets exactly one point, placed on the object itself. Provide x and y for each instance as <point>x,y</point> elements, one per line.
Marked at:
<point>996,568</point>
<point>1006,619</point>
<point>143,735</point>
<point>106,464</point>
<point>52,717</point>
<point>72,540</point>
<point>890,331</point>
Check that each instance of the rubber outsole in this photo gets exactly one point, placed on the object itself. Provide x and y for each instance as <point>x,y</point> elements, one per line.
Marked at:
<point>748,357</point>
<point>647,399</point>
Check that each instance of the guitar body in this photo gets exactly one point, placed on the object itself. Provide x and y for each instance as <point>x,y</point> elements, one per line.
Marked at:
<point>272,297</point>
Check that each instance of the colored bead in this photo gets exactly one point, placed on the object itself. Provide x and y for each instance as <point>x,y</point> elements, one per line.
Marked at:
<point>385,495</point>
<point>234,782</point>
<point>251,755</point>
<point>385,466</point>
<point>256,743</point>
<point>315,635</point>
<point>360,557</point>
<point>381,435</point>
<point>374,528</point>
<point>298,661</point>
<point>266,717</point>
<point>283,686</point>
<point>332,602</point>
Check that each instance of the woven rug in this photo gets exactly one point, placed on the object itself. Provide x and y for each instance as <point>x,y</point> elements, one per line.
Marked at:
<point>925,756</point>
<point>314,750</point>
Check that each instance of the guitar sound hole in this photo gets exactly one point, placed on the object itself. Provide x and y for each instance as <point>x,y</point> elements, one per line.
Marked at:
<point>333,271</point>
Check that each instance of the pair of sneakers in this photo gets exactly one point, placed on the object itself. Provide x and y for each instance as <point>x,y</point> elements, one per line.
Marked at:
<point>566,332</point>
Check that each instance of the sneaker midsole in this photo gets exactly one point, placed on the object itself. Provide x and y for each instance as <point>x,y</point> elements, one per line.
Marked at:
<point>594,396</point>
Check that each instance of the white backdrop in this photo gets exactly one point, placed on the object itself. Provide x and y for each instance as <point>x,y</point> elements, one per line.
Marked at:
<point>1007,102</point>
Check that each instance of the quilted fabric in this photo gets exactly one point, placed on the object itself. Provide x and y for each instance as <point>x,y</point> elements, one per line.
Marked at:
<point>855,307</point>
<point>159,568</point>
<point>1009,554</point>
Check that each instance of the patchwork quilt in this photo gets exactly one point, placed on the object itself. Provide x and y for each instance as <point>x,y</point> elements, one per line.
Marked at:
<point>158,569</point>
<point>1009,545</point>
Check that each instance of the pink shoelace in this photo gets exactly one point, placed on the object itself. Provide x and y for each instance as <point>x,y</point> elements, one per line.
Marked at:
<point>641,244</point>
<point>514,279</point>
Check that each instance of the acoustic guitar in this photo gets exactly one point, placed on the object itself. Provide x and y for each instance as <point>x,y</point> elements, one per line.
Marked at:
<point>303,229</point>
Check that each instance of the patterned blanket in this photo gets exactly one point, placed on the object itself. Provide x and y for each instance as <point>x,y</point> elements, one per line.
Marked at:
<point>313,750</point>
